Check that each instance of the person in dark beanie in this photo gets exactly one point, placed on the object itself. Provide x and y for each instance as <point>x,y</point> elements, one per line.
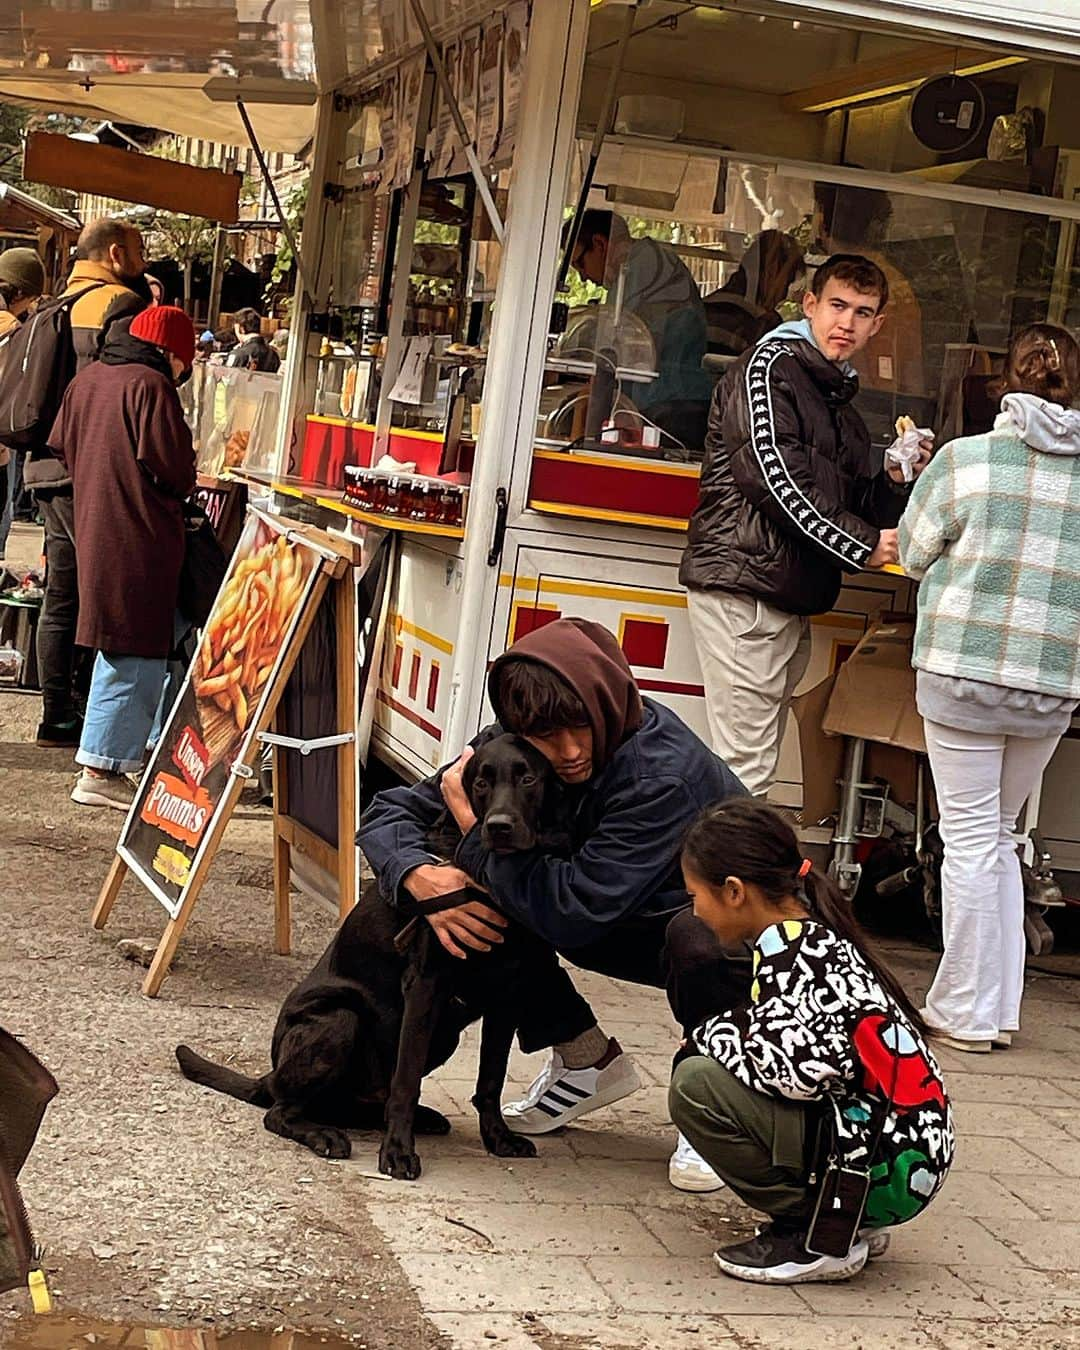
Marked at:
<point>22,281</point>
<point>122,437</point>
<point>252,351</point>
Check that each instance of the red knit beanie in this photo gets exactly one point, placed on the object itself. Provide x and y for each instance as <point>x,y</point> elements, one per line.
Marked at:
<point>169,327</point>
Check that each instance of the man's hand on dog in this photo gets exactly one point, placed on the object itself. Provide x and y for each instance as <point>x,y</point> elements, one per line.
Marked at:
<point>454,794</point>
<point>473,924</point>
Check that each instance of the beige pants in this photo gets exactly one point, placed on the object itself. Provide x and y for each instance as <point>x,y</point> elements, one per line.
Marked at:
<point>752,657</point>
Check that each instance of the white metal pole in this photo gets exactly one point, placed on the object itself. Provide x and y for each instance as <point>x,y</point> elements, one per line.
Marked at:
<point>399,305</point>
<point>554,66</point>
<point>320,218</point>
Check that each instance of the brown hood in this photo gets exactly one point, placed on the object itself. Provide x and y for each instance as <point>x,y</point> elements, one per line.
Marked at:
<point>590,660</point>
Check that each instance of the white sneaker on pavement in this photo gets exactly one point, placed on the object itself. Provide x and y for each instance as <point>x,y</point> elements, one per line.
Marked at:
<point>559,1095</point>
<point>114,791</point>
<point>688,1170</point>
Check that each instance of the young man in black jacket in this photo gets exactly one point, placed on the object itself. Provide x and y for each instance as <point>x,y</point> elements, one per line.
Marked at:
<point>636,777</point>
<point>792,496</point>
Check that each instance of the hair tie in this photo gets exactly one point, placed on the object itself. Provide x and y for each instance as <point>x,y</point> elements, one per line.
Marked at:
<point>805,868</point>
<point>1057,358</point>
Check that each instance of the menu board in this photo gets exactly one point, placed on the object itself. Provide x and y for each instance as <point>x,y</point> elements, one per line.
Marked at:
<point>236,678</point>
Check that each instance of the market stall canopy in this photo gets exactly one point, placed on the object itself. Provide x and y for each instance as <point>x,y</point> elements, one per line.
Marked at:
<point>184,105</point>
<point>20,209</point>
<point>171,66</point>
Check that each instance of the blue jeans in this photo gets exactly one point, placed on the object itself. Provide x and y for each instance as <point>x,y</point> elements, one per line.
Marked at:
<point>130,698</point>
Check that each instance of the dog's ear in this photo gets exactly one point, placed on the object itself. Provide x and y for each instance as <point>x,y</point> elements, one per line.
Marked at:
<point>468,776</point>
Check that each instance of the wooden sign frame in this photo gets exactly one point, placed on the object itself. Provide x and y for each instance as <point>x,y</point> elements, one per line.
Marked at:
<point>291,835</point>
<point>334,562</point>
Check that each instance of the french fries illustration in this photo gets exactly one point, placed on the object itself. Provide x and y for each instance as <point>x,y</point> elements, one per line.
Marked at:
<point>243,637</point>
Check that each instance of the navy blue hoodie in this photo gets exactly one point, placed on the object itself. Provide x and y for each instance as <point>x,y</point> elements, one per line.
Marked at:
<point>652,778</point>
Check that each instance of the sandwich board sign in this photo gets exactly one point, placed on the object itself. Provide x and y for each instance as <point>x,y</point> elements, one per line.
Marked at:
<point>275,582</point>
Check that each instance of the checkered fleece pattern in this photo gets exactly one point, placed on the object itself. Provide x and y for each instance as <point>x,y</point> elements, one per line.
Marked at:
<point>992,531</point>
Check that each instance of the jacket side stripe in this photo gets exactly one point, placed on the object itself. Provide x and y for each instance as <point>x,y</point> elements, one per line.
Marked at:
<point>776,474</point>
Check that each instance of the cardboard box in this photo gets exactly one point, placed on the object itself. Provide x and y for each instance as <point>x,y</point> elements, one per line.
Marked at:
<point>874,694</point>
<point>871,696</point>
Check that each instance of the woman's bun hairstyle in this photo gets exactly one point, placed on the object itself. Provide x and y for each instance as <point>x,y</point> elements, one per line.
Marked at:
<point>1044,360</point>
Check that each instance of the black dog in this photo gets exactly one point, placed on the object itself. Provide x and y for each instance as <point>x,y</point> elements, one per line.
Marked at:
<point>387,1005</point>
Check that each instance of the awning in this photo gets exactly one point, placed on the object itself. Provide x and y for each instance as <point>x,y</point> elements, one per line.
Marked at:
<point>1050,28</point>
<point>39,210</point>
<point>183,104</point>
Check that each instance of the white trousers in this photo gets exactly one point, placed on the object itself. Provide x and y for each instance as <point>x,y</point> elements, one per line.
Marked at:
<point>981,781</point>
<point>752,657</point>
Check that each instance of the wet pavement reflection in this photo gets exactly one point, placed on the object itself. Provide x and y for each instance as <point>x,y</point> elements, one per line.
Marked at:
<point>73,1332</point>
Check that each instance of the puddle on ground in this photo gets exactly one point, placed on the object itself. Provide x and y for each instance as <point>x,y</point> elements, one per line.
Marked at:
<point>70,1331</point>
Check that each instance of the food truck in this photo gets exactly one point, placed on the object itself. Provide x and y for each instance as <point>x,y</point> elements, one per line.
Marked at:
<point>519,411</point>
<point>516,427</point>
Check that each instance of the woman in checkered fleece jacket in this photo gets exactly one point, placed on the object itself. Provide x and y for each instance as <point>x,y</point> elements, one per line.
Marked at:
<point>992,531</point>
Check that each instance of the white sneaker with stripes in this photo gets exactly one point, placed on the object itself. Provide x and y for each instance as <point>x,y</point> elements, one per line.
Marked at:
<point>559,1095</point>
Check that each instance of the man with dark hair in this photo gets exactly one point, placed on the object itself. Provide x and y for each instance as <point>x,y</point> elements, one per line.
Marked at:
<point>792,496</point>
<point>252,351</point>
<point>636,777</point>
<point>108,279</point>
<point>656,287</point>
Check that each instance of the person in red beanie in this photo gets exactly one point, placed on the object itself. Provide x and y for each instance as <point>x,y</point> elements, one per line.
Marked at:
<point>122,436</point>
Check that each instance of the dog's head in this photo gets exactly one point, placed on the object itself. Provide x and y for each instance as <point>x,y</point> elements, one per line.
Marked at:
<point>510,785</point>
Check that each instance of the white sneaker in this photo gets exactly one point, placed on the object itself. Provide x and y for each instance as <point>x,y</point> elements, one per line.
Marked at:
<point>559,1095</point>
<point>114,791</point>
<point>688,1170</point>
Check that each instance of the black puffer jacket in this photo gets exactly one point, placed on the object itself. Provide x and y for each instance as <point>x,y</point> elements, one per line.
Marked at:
<point>792,493</point>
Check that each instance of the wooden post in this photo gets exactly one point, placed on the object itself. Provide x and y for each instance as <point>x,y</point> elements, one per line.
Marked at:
<point>170,939</point>
<point>346,754</point>
<point>110,889</point>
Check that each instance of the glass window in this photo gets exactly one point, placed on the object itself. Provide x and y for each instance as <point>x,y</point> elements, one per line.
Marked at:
<point>683,261</point>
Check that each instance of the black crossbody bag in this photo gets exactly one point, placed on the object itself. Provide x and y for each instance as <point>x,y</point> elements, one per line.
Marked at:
<point>842,1190</point>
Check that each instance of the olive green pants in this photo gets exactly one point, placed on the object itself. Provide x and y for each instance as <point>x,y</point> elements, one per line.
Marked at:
<point>756,1144</point>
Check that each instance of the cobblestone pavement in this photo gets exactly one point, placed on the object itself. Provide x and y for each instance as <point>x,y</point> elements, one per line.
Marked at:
<point>162,1202</point>
<point>587,1245</point>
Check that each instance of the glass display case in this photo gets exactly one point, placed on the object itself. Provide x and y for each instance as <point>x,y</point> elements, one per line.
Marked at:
<point>233,415</point>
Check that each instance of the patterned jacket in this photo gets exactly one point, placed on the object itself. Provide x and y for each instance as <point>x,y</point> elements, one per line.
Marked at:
<point>820,1027</point>
<point>792,493</point>
<point>993,532</point>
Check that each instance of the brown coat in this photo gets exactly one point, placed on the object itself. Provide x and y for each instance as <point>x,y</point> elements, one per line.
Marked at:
<point>122,435</point>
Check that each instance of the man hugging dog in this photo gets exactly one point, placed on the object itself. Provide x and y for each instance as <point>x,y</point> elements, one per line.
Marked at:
<point>635,777</point>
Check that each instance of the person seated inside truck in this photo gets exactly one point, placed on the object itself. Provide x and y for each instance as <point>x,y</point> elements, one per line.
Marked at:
<point>659,289</point>
<point>636,777</point>
<point>746,307</point>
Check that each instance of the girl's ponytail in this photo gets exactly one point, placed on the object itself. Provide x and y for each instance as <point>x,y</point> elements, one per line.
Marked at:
<point>827,904</point>
<point>747,839</point>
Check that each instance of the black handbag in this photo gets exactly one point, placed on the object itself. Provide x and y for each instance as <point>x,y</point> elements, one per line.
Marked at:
<point>204,566</point>
<point>842,1189</point>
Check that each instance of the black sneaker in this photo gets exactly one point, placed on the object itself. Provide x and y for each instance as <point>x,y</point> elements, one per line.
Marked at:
<point>780,1258</point>
<point>59,735</point>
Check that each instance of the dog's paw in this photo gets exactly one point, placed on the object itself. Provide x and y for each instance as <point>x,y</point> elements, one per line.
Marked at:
<point>328,1143</point>
<point>429,1121</point>
<point>398,1162</point>
<point>504,1143</point>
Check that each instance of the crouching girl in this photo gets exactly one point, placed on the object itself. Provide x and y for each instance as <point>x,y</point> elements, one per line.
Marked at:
<point>817,1102</point>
